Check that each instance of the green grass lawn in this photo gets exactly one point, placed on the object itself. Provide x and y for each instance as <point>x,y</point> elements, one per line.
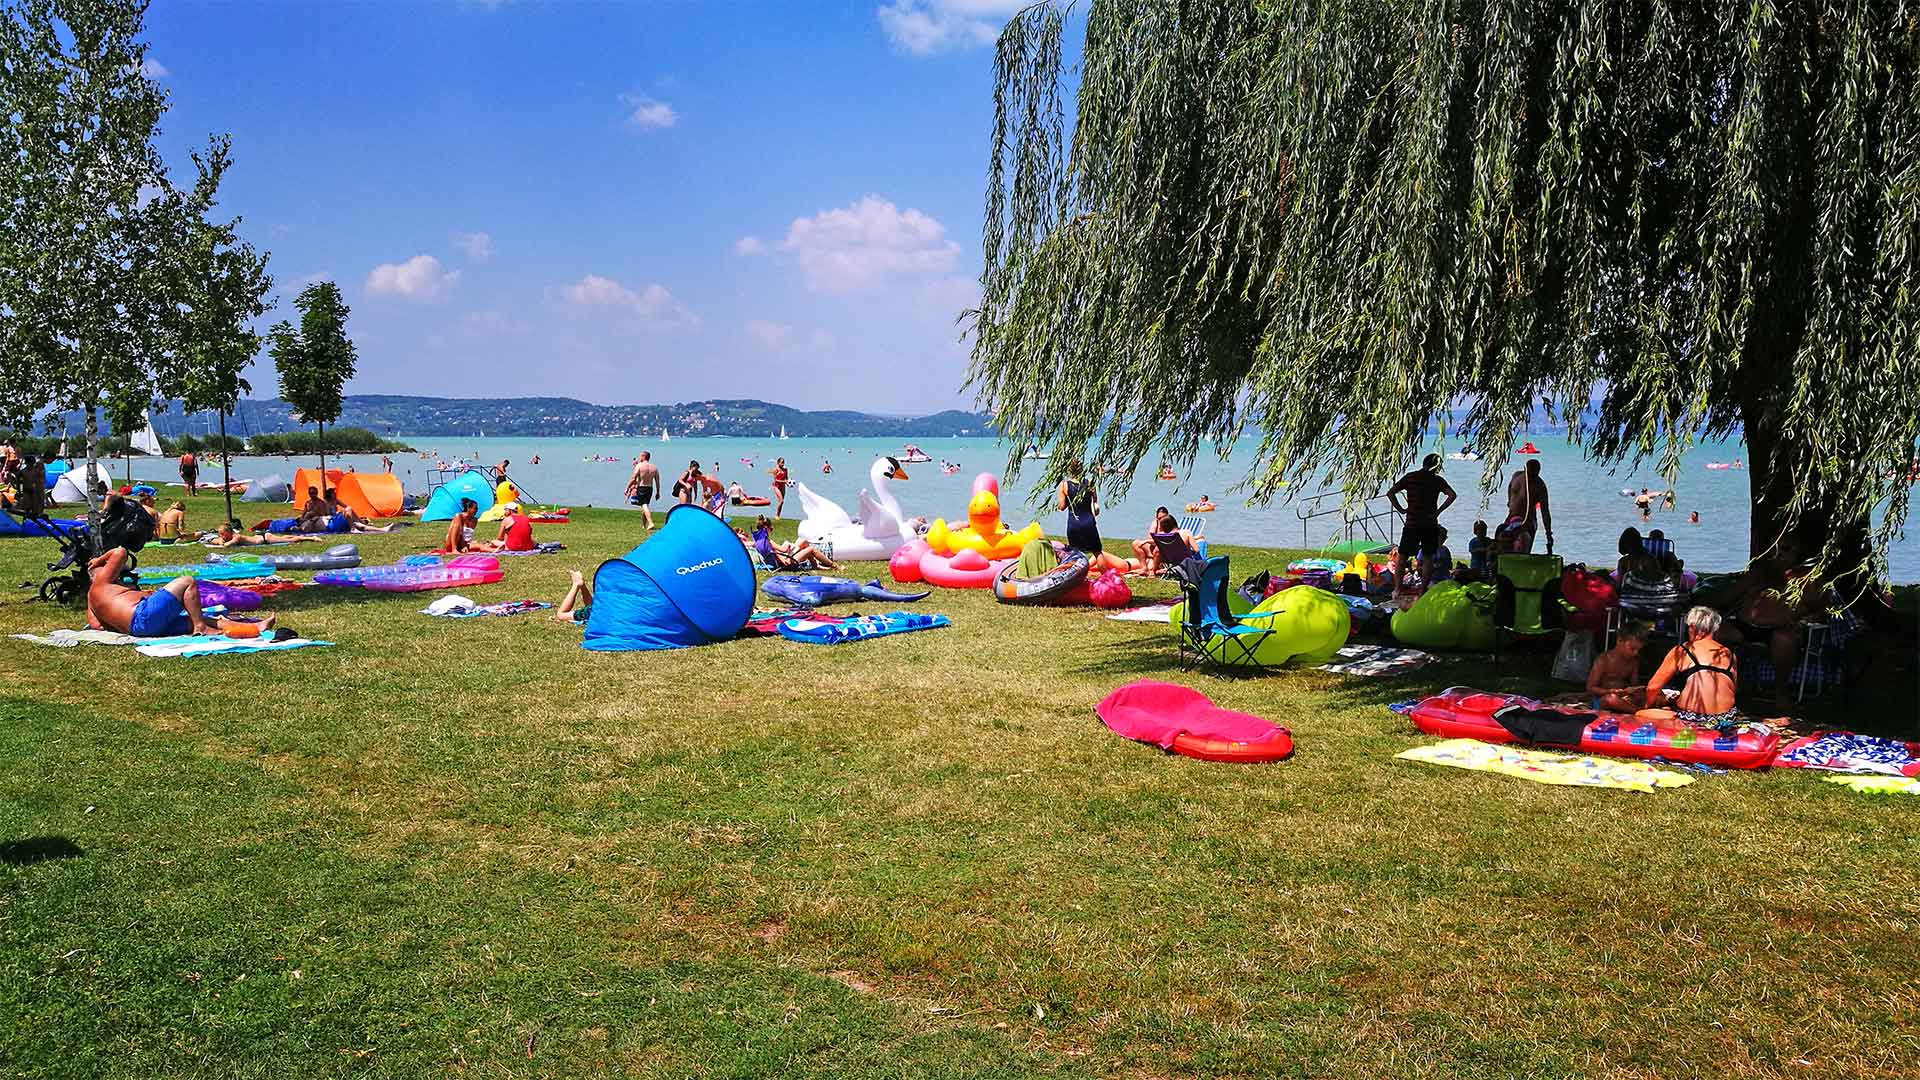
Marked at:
<point>471,848</point>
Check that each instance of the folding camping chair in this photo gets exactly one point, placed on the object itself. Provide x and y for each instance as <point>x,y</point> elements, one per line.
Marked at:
<point>1527,601</point>
<point>1196,524</point>
<point>1172,550</point>
<point>1208,630</point>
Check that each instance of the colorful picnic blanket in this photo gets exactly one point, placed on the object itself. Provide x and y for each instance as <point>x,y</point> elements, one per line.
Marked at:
<point>545,547</point>
<point>1844,751</point>
<point>1543,767</point>
<point>1376,660</point>
<point>1878,785</point>
<point>459,607</point>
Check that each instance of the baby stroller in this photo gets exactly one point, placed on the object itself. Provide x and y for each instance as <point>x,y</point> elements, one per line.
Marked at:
<point>124,523</point>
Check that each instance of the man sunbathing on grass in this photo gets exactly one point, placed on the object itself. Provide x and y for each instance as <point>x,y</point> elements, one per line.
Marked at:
<point>170,611</point>
<point>230,536</point>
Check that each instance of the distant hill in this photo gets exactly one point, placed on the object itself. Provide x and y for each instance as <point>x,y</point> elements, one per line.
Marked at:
<point>396,415</point>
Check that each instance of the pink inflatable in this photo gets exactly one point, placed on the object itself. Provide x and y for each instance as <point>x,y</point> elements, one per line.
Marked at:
<point>968,569</point>
<point>905,564</point>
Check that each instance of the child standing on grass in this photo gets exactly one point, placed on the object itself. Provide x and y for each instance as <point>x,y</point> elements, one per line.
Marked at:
<point>1611,684</point>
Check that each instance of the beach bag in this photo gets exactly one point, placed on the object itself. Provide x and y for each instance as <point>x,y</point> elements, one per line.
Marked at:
<point>1575,658</point>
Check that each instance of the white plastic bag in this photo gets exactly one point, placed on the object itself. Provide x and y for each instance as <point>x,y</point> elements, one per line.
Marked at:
<point>1575,658</point>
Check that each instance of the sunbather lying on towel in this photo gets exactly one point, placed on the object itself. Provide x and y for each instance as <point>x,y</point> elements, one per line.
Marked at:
<point>230,536</point>
<point>170,611</point>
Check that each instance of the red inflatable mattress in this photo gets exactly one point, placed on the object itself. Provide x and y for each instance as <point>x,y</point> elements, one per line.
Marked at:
<point>1462,713</point>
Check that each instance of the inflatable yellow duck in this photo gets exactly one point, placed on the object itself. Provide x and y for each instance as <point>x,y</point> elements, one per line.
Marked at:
<point>984,532</point>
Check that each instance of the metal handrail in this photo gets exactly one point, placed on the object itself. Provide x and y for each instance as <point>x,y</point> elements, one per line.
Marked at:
<point>1373,518</point>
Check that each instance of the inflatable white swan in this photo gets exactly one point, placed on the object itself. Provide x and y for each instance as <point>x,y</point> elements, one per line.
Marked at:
<point>881,530</point>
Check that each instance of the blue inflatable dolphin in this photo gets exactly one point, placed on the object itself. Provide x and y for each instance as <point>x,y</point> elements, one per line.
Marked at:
<point>812,590</point>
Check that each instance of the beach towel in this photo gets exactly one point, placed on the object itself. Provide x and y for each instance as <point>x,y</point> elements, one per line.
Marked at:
<point>545,547</point>
<point>67,639</point>
<point>1542,767</point>
<point>1843,751</point>
<point>816,631</point>
<point>1372,661</point>
<point>459,607</point>
<point>765,623</point>
<point>170,648</point>
<point>1156,613</point>
<point>1878,785</point>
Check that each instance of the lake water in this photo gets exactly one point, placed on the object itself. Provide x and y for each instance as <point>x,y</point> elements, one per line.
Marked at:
<point>1589,510</point>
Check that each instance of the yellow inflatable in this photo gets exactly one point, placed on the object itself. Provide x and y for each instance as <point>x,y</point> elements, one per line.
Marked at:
<point>983,533</point>
<point>1309,625</point>
<point>1448,616</point>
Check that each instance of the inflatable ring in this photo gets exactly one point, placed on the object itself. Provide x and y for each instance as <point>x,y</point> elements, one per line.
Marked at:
<point>1048,588</point>
<point>966,570</point>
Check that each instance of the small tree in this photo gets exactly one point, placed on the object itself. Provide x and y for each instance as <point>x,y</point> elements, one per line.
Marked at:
<point>224,285</point>
<point>88,219</point>
<point>316,359</point>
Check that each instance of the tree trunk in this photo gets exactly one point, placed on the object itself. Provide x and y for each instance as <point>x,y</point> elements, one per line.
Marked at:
<point>323,457</point>
<point>226,465</point>
<point>89,484</point>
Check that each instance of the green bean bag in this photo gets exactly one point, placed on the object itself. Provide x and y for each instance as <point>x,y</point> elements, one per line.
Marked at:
<point>1309,625</point>
<point>1449,616</point>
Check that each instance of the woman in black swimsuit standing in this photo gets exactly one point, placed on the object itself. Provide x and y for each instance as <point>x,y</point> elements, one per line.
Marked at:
<point>1708,672</point>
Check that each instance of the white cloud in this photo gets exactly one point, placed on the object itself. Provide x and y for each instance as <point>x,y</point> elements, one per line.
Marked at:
<point>650,306</point>
<point>867,244</point>
<point>925,27</point>
<point>770,335</point>
<point>419,278</point>
<point>491,324</point>
<point>477,245</point>
<point>648,114</point>
<point>154,69</point>
<point>749,245</point>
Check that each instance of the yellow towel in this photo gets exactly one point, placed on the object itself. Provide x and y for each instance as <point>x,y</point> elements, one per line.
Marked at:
<point>1878,785</point>
<point>1543,767</point>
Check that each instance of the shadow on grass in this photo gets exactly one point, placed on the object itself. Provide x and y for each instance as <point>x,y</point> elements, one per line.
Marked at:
<point>38,849</point>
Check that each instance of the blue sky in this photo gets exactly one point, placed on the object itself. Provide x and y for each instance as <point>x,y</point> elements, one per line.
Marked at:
<point>654,200</point>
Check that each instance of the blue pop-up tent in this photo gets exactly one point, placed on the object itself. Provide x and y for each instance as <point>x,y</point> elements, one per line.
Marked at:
<point>691,583</point>
<point>445,500</point>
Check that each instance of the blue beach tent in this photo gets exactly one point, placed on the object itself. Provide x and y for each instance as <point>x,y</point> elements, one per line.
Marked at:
<point>445,501</point>
<point>691,583</point>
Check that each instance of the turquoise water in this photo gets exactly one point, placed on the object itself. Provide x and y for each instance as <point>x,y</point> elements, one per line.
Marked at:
<point>1589,511</point>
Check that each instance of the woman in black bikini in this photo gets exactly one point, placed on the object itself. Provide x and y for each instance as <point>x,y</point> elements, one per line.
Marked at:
<point>1708,673</point>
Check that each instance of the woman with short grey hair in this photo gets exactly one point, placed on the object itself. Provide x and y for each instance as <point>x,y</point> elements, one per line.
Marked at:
<point>1708,673</point>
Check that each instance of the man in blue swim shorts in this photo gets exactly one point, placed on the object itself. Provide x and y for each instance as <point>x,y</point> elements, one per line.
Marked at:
<point>171,611</point>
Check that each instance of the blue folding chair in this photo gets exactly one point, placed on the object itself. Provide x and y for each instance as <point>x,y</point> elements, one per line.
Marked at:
<point>1208,631</point>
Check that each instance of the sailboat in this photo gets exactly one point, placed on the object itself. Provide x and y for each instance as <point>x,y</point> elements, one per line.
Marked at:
<point>145,441</point>
<point>664,437</point>
<point>783,431</point>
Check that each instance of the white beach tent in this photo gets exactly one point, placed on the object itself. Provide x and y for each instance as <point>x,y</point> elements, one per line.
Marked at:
<point>68,489</point>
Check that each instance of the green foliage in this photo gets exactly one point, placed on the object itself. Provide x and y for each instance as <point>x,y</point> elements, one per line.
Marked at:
<point>223,283</point>
<point>316,359</point>
<point>97,246</point>
<point>347,440</point>
<point>1333,222</point>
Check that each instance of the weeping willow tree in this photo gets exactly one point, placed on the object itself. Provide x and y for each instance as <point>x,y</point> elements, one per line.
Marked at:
<point>1343,225</point>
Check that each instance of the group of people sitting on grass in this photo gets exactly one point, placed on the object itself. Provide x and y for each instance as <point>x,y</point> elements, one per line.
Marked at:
<point>516,531</point>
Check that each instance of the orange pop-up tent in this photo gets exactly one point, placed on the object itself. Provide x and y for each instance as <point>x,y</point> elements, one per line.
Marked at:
<point>311,478</point>
<point>371,495</point>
